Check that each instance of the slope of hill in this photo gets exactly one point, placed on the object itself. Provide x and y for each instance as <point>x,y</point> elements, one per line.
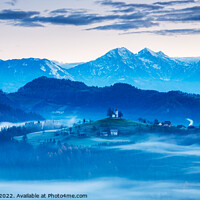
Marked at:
<point>47,95</point>
<point>16,73</point>
<point>68,65</point>
<point>9,113</point>
<point>89,134</point>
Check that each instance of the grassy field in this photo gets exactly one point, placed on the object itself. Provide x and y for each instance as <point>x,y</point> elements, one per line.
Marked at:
<point>88,134</point>
<point>38,138</point>
<point>117,122</point>
<point>125,127</point>
<point>91,131</point>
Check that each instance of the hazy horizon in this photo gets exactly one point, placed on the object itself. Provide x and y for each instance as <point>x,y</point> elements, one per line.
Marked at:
<point>83,30</point>
<point>77,62</point>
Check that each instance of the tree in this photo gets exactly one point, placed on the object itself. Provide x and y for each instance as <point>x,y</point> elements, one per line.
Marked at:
<point>94,128</point>
<point>142,120</point>
<point>25,138</point>
<point>109,112</point>
<point>70,130</point>
<point>120,114</point>
<point>156,122</point>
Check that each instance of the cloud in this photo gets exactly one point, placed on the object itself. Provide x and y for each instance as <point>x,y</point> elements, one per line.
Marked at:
<point>154,6</point>
<point>155,13</point>
<point>76,20</point>
<point>160,146</point>
<point>122,16</point>
<point>118,4</point>
<point>181,15</point>
<point>158,10</point>
<point>12,2</point>
<point>60,11</point>
<point>169,32</point>
<point>16,15</point>
<point>126,10</point>
<point>82,19</point>
<point>18,18</point>
<point>68,10</point>
<point>111,3</point>
<point>135,24</point>
<point>33,17</point>
<point>169,3</point>
<point>28,24</point>
<point>178,31</point>
<point>23,18</point>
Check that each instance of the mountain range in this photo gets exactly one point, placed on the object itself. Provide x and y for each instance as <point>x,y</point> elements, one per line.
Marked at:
<point>68,65</point>
<point>48,95</point>
<point>15,73</point>
<point>146,70</point>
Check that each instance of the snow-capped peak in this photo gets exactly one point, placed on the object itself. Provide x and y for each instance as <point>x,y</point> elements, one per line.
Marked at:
<point>161,54</point>
<point>147,51</point>
<point>122,52</point>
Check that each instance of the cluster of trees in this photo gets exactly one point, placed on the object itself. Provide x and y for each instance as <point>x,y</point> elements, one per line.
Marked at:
<point>10,114</point>
<point>111,111</point>
<point>20,161</point>
<point>143,120</point>
<point>6,134</point>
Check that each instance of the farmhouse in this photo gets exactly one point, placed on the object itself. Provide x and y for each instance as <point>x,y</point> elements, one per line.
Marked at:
<point>82,133</point>
<point>191,127</point>
<point>114,132</point>
<point>104,133</point>
<point>167,124</point>
<point>181,126</point>
<point>109,132</point>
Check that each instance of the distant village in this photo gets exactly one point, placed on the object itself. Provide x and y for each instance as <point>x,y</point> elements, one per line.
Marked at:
<point>83,128</point>
<point>116,114</point>
<point>168,124</point>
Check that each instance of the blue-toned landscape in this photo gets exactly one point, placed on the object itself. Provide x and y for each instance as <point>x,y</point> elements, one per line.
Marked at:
<point>142,166</point>
<point>100,99</point>
<point>112,142</point>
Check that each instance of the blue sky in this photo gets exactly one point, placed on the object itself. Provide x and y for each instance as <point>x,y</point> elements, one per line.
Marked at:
<point>82,30</point>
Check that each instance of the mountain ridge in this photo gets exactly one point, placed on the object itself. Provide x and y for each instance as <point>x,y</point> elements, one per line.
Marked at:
<point>17,72</point>
<point>146,70</point>
<point>75,97</point>
<point>9,112</point>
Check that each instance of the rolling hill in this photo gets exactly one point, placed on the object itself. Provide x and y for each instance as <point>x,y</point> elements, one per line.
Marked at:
<point>10,113</point>
<point>48,95</point>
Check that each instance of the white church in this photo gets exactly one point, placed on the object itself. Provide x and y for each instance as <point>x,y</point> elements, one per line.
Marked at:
<point>115,115</point>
